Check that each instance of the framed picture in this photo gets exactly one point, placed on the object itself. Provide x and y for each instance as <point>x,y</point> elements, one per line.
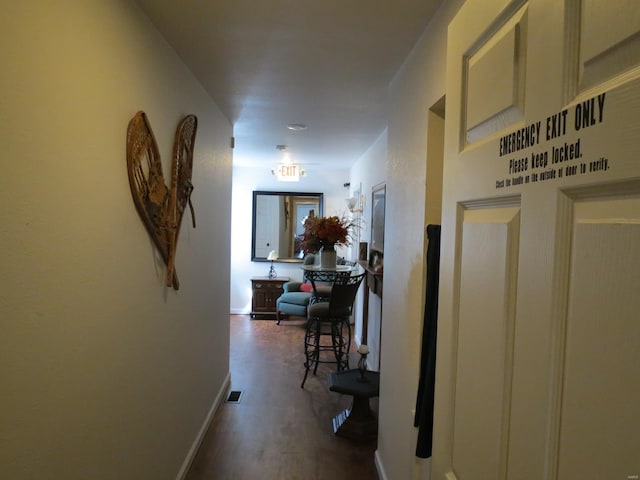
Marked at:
<point>377,217</point>
<point>363,251</point>
<point>376,261</point>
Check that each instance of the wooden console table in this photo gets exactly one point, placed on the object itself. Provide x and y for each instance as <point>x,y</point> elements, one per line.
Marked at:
<point>265,292</point>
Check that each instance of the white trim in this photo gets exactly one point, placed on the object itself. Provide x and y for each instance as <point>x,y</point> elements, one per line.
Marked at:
<point>381,473</point>
<point>203,429</point>
<point>240,311</point>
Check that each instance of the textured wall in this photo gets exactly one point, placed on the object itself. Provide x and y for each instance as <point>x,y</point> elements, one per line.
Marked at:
<point>369,172</point>
<point>105,372</point>
<point>419,84</point>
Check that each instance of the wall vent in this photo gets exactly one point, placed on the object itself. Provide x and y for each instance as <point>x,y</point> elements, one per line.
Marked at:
<point>234,396</point>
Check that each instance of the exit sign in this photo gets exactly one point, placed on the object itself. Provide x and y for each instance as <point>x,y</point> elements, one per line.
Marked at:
<point>288,173</point>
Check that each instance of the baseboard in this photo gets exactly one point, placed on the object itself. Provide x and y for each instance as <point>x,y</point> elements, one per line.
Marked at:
<point>379,467</point>
<point>222,393</point>
<point>239,311</point>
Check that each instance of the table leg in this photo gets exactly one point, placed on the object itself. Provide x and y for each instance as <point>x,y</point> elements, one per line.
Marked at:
<point>356,422</point>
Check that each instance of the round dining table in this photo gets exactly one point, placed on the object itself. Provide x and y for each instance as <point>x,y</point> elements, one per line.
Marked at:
<point>318,275</point>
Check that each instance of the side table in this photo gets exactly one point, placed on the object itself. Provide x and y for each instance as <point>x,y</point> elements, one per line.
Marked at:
<point>357,422</point>
<point>265,292</point>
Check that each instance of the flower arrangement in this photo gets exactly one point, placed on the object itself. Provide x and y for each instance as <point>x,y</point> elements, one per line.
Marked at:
<point>325,231</point>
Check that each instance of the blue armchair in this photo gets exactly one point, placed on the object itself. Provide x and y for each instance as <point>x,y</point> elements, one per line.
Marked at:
<point>296,296</point>
<point>293,301</point>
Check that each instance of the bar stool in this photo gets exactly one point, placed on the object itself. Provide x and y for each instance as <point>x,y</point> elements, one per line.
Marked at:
<point>327,337</point>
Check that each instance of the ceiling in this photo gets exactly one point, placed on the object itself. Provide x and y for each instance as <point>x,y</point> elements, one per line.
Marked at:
<point>270,63</point>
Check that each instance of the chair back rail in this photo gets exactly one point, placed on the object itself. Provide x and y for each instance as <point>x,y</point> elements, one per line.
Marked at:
<point>344,290</point>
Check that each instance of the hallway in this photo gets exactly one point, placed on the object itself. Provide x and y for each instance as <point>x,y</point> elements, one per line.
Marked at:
<point>278,430</point>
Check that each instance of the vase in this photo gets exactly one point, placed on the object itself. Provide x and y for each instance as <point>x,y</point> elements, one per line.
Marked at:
<point>362,368</point>
<point>328,257</point>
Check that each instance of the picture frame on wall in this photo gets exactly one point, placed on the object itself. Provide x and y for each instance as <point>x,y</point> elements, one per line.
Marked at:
<point>363,251</point>
<point>376,261</point>
<point>378,198</point>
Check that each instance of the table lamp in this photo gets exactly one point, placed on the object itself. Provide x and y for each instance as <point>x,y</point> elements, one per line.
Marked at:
<point>272,256</point>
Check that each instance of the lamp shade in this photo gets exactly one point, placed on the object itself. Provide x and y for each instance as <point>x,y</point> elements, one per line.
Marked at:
<point>272,255</point>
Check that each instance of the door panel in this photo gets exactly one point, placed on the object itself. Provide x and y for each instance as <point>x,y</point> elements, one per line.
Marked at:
<point>601,386</point>
<point>487,306</point>
<point>538,312</point>
<point>267,210</point>
<point>497,66</point>
<point>614,50</point>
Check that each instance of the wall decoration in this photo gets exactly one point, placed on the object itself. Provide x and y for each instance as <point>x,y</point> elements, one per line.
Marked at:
<point>160,208</point>
<point>181,186</point>
<point>377,217</point>
<point>363,248</point>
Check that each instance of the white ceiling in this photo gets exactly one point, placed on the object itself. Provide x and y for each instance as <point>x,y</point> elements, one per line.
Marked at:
<point>270,63</point>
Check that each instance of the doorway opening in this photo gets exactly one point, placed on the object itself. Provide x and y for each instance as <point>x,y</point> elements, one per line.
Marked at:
<point>435,161</point>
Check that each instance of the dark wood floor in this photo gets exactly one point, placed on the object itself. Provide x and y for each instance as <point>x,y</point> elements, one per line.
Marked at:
<point>279,431</point>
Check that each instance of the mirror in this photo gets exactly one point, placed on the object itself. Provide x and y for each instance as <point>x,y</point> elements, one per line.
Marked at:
<point>278,219</point>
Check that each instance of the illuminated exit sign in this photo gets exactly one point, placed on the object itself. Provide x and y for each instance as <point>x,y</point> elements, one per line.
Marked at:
<point>288,173</point>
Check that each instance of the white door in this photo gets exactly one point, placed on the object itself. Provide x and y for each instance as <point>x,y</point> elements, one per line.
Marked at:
<point>538,367</point>
<point>267,224</point>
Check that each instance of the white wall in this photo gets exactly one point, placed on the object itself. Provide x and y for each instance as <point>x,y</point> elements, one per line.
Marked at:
<point>245,181</point>
<point>105,372</point>
<point>419,84</point>
<point>368,172</point>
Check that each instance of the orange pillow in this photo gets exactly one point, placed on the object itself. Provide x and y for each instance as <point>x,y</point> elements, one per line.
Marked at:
<point>306,287</point>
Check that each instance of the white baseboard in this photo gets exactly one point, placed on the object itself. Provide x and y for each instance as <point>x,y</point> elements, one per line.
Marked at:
<point>239,311</point>
<point>222,393</point>
<point>379,467</point>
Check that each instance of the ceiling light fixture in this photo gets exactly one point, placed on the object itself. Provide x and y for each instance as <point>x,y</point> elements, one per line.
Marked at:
<point>297,127</point>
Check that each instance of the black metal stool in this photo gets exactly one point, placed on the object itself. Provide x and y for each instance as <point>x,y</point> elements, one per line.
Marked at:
<point>329,320</point>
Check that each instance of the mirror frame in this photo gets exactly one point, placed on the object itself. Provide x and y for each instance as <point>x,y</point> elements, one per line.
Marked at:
<point>320,197</point>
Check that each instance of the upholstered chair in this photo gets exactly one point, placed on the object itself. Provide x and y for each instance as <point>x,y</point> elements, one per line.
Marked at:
<point>296,296</point>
